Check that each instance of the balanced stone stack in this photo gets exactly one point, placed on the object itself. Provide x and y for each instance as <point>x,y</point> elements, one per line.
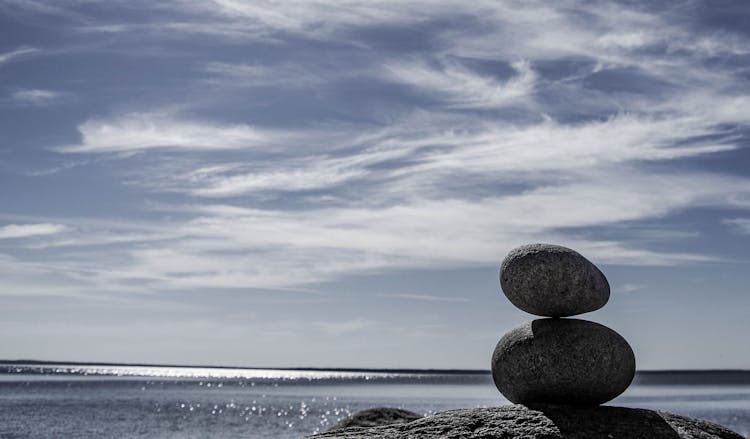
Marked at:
<point>557,360</point>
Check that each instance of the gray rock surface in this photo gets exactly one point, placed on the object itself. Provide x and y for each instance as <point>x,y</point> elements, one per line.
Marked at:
<point>552,281</point>
<point>544,422</point>
<point>376,416</point>
<point>563,361</point>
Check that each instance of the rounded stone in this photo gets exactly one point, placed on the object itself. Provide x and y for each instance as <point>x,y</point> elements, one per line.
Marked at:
<point>552,281</point>
<point>562,361</point>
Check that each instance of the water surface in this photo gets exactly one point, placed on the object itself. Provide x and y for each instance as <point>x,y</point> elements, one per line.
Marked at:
<point>161,402</point>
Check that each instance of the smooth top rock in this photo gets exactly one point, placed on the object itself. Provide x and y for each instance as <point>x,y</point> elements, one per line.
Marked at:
<point>552,281</point>
<point>562,361</point>
<point>376,416</point>
<point>544,422</point>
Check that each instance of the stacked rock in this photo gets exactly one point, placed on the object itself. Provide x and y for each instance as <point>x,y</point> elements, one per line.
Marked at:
<point>557,360</point>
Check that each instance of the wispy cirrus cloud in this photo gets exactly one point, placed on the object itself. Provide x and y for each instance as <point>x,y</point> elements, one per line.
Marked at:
<point>321,175</point>
<point>426,153</point>
<point>499,123</point>
<point>344,327</point>
<point>425,232</point>
<point>36,97</point>
<point>422,297</point>
<point>223,246</point>
<point>305,17</point>
<point>741,225</point>
<point>463,88</point>
<point>143,131</point>
<point>10,231</point>
<point>15,54</point>
<point>276,75</point>
<point>536,30</point>
<point>629,288</point>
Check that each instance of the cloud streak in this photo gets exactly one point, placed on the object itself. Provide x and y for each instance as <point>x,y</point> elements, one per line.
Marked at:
<point>36,97</point>
<point>340,328</point>
<point>741,225</point>
<point>143,131</point>
<point>12,231</point>
<point>425,155</point>
<point>220,246</point>
<point>422,297</point>
<point>462,88</point>
<point>15,54</point>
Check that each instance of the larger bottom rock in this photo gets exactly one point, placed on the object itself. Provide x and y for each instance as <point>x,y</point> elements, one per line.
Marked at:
<point>544,422</point>
<point>562,361</point>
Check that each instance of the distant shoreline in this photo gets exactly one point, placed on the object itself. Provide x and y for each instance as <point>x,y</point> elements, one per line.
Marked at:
<point>673,376</point>
<point>296,369</point>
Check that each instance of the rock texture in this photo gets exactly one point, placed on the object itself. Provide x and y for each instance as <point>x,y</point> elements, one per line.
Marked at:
<point>552,281</point>
<point>544,422</point>
<point>376,416</point>
<point>562,361</point>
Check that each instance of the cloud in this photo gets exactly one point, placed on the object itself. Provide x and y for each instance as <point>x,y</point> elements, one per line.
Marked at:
<point>501,123</point>
<point>629,288</point>
<point>18,53</point>
<point>36,97</point>
<point>10,231</point>
<point>170,29</point>
<point>296,179</point>
<point>550,145</point>
<point>305,17</point>
<point>741,225</point>
<point>278,75</point>
<point>714,45</point>
<point>56,169</point>
<point>278,173</point>
<point>264,20</point>
<point>453,231</point>
<point>611,32</point>
<point>143,131</point>
<point>223,246</point>
<point>63,9</point>
<point>336,329</point>
<point>578,145</point>
<point>463,88</point>
<point>425,154</point>
<point>396,207</point>
<point>423,297</point>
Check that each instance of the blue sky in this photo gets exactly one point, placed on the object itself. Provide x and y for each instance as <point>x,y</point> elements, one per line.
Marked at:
<point>334,183</point>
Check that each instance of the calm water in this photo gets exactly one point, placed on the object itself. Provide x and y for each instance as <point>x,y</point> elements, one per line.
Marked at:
<point>129,402</point>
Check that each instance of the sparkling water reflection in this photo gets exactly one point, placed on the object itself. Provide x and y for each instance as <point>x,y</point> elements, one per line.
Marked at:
<point>115,402</point>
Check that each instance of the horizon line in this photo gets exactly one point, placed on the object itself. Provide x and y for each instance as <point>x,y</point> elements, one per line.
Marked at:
<point>31,362</point>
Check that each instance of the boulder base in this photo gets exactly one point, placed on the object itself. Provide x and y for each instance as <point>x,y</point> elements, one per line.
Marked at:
<point>376,416</point>
<point>562,361</point>
<point>544,422</point>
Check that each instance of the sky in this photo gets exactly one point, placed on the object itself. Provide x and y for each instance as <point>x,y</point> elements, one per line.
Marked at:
<point>334,183</point>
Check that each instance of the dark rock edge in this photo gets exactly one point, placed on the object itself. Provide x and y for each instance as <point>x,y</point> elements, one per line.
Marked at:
<point>544,422</point>
<point>376,416</point>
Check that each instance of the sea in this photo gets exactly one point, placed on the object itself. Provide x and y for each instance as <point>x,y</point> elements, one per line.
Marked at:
<point>114,401</point>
